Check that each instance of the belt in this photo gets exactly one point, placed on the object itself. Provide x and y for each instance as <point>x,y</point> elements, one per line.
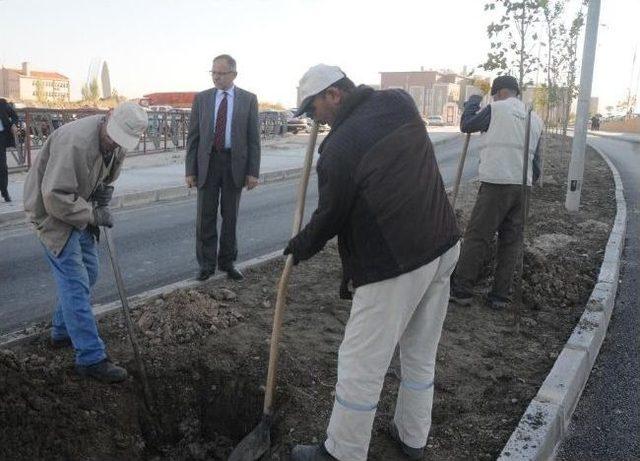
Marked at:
<point>222,151</point>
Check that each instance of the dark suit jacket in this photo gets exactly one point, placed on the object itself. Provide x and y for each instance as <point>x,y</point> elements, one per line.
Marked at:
<point>8,117</point>
<point>245,136</point>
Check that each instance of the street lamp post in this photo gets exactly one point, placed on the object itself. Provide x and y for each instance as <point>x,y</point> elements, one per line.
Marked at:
<point>576,167</point>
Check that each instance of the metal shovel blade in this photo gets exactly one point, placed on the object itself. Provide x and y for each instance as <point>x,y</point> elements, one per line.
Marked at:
<point>255,444</point>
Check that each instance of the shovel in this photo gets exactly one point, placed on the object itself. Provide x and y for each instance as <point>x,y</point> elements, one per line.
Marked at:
<point>127,317</point>
<point>463,157</point>
<point>525,209</point>
<point>258,441</point>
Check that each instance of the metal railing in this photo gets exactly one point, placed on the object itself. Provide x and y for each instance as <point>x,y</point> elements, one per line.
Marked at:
<point>272,123</point>
<point>167,131</point>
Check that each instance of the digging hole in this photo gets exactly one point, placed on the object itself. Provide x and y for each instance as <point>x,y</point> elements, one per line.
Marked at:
<point>202,414</point>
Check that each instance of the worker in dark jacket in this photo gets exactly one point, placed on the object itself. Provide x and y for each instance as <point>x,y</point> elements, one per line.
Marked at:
<point>8,121</point>
<point>381,193</point>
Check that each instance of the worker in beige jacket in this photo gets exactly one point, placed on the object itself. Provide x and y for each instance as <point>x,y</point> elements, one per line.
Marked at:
<point>66,198</point>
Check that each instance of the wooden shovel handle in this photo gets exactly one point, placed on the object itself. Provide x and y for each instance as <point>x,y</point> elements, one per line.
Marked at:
<point>463,157</point>
<point>284,278</point>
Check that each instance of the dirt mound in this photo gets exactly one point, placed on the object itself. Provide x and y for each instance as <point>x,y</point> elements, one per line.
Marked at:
<point>182,316</point>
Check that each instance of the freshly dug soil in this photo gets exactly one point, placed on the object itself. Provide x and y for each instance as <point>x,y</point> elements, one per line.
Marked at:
<point>206,350</point>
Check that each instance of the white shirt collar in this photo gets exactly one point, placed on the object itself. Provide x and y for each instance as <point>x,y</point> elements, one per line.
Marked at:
<point>230,92</point>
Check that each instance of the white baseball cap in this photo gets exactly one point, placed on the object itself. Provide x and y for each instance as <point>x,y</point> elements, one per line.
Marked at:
<point>316,79</point>
<point>126,124</point>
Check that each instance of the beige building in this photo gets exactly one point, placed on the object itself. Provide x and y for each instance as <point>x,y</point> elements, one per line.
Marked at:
<point>537,95</point>
<point>26,84</point>
<point>434,92</point>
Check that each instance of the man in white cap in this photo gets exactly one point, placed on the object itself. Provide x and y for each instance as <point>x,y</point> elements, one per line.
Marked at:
<point>380,191</point>
<point>66,198</point>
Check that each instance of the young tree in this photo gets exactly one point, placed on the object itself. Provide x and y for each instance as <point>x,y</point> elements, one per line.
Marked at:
<point>41,93</point>
<point>570,51</point>
<point>91,92</point>
<point>552,12</point>
<point>513,38</point>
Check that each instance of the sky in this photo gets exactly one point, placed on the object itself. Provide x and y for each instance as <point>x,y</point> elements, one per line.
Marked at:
<point>167,45</point>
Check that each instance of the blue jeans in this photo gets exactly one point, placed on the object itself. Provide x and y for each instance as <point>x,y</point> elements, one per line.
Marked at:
<point>75,271</point>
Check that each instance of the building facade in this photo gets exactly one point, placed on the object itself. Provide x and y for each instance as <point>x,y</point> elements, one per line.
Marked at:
<point>26,84</point>
<point>434,92</point>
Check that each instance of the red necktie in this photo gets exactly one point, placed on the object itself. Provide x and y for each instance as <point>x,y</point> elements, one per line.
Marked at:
<point>221,124</point>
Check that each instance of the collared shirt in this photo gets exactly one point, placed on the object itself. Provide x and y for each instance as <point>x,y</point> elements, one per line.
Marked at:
<point>230,96</point>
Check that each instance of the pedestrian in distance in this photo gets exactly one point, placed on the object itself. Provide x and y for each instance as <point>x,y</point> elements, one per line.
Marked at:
<point>499,204</point>
<point>8,128</point>
<point>66,198</point>
<point>223,156</point>
<point>380,191</point>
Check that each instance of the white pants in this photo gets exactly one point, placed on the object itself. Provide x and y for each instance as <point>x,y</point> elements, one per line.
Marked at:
<point>409,310</point>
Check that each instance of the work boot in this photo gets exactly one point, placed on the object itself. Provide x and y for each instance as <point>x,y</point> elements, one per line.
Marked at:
<point>412,453</point>
<point>60,343</point>
<point>104,371</point>
<point>460,298</point>
<point>497,303</point>
<point>311,453</point>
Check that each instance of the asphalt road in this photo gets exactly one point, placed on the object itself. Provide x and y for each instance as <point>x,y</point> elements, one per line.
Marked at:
<point>606,423</point>
<point>155,244</point>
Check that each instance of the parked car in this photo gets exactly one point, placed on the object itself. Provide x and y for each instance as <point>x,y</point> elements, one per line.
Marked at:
<point>435,120</point>
<point>296,124</point>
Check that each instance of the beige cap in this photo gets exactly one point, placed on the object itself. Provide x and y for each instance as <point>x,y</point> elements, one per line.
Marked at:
<point>126,124</point>
<point>317,78</point>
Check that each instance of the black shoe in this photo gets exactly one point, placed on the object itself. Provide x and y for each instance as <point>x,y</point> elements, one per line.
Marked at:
<point>460,298</point>
<point>412,453</point>
<point>204,274</point>
<point>104,371</point>
<point>60,343</point>
<point>310,453</point>
<point>232,272</point>
<point>497,303</point>
<point>6,197</point>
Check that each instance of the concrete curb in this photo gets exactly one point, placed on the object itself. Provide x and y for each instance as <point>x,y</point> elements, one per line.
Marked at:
<point>159,195</point>
<point>12,339</point>
<point>543,425</point>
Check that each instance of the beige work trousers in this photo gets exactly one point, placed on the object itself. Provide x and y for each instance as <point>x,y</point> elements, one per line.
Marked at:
<point>408,310</point>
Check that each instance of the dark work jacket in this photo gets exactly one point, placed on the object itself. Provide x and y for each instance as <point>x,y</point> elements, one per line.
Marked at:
<point>380,191</point>
<point>9,118</point>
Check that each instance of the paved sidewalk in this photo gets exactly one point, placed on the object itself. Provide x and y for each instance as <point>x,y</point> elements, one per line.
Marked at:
<point>142,175</point>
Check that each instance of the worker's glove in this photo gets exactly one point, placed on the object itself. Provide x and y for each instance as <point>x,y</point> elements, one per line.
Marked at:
<point>289,251</point>
<point>102,216</point>
<point>474,100</point>
<point>345,292</point>
<point>95,231</point>
<point>102,195</point>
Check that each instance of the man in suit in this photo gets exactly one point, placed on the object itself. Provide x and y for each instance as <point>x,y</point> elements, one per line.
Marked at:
<point>8,121</point>
<point>223,155</point>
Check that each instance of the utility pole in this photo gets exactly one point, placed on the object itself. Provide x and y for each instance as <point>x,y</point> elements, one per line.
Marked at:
<point>576,167</point>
